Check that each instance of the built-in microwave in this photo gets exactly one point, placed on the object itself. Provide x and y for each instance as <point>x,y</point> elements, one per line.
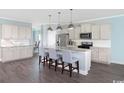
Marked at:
<point>86,36</point>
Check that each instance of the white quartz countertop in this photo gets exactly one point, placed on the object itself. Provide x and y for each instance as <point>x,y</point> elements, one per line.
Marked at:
<point>73,49</point>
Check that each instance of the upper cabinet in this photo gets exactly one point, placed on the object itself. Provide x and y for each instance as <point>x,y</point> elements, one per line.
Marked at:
<point>85,28</point>
<point>28,32</point>
<point>99,31</point>
<point>105,32</point>
<point>0,31</point>
<point>21,32</point>
<point>82,28</point>
<point>95,31</point>
<point>6,31</point>
<point>71,34</point>
<point>15,32</point>
<point>77,33</point>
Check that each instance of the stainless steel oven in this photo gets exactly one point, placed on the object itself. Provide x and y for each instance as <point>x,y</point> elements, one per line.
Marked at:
<point>86,36</point>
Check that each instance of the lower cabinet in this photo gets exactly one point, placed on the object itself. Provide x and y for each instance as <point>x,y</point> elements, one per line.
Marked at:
<point>16,53</point>
<point>100,55</point>
<point>0,54</point>
<point>94,54</point>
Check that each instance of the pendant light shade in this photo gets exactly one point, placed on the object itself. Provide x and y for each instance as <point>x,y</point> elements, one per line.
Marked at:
<point>59,28</point>
<point>50,28</point>
<point>71,26</point>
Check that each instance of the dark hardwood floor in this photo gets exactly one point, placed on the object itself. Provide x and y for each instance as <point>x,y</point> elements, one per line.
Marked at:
<point>28,71</point>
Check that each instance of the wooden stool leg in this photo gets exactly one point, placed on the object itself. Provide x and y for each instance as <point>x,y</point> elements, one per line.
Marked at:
<point>78,66</point>
<point>39,60</point>
<point>44,61</point>
<point>50,63</point>
<point>62,67</point>
<point>70,69</point>
<point>56,64</point>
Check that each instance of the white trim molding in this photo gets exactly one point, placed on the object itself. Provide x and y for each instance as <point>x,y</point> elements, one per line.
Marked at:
<point>118,62</point>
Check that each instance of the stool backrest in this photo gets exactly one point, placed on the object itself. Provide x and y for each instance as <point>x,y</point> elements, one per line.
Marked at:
<point>66,56</point>
<point>52,54</point>
<point>41,51</point>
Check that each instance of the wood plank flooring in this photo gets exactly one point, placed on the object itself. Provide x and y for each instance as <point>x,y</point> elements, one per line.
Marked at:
<point>28,71</point>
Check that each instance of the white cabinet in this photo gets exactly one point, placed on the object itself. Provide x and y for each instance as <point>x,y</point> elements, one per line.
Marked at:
<point>71,34</point>
<point>104,55</point>
<point>16,53</point>
<point>14,32</point>
<point>65,31</point>
<point>82,28</point>
<point>105,32</point>
<point>85,28</point>
<point>28,33</point>
<point>6,31</point>
<point>100,55</point>
<point>7,54</point>
<point>95,31</point>
<point>21,33</point>
<point>29,51</point>
<point>0,53</point>
<point>16,37</point>
<point>94,54</point>
<point>0,31</point>
<point>77,33</point>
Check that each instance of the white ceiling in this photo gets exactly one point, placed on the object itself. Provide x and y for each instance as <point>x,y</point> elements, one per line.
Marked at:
<point>40,16</point>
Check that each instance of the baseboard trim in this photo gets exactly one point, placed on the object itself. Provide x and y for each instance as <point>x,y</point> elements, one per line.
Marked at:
<point>118,62</point>
<point>83,72</point>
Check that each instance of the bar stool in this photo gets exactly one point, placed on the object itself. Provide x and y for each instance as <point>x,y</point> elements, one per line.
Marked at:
<point>53,58</point>
<point>68,59</point>
<point>42,56</point>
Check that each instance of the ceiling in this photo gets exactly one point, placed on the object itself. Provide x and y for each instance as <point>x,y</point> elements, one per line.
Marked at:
<point>40,16</point>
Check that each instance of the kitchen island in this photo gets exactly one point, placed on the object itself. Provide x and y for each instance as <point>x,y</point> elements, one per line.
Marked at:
<point>83,56</point>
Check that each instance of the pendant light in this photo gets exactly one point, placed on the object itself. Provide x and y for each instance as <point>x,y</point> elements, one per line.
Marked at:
<point>50,28</point>
<point>59,28</point>
<point>71,26</point>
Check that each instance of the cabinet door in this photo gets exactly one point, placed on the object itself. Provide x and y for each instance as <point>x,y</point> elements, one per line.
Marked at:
<point>16,53</point>
<point>28,33</point>
<point>87,28</point>
<point>7,54</point>
<point>77,33</point>
<point>0,31</point>
<point>22,52</point>
<point>104,55</point>
<point>6,31</point>
<point>30,51</point>
<point>71,34</point>
<point>95,54</point>
<point>21,33</point>
<point>14,31</point>
<point>95,31</point>
<point>0,53</point>
<point>105,32</point>
<point>82,28</point>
